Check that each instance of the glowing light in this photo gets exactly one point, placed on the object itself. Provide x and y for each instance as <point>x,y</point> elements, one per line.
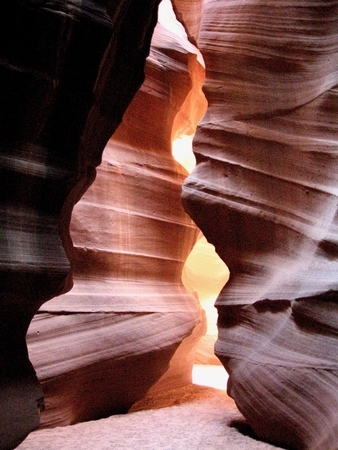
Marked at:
<point>205,273</point>
<point>212,376</point>
<point>182,152</point>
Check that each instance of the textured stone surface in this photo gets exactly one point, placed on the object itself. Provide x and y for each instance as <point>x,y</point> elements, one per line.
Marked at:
<point>264,192</point>
<point>116,332</point>
<point>187,418</point>
<point>58,109</point>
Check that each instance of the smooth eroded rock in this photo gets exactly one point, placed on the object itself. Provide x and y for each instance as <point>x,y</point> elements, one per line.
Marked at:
<point>58,60</point>
<point>128,318</point>
<point>264,193</point>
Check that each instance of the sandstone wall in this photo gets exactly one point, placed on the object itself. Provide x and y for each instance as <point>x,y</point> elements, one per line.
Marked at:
<point>58,109</point>
<point>115,334</point>
<point>264,192</point>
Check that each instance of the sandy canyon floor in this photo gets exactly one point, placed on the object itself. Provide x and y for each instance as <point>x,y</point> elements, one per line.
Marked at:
<point>193,417</point>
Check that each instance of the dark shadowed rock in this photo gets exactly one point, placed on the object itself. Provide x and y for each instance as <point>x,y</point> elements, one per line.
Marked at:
<point>58,61</point>
<point>128,317</point>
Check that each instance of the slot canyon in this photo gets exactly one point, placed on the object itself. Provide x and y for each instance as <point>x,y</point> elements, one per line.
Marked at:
<point>102,302</point>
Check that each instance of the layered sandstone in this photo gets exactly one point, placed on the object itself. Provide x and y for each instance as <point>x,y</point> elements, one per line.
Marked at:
<point>264,192</point>
<point>115,334</point>
<point>63,93</point>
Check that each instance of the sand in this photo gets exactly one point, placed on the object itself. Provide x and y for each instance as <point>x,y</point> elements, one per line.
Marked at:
<point>193,417</point>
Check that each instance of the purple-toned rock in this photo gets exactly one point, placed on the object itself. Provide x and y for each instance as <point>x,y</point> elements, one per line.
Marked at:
<point>68,71</point>
<point>128,317</point>
<point>264,192</point>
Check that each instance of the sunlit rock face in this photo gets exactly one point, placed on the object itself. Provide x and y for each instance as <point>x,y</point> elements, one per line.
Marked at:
<point>189,13</point>
<point>128,317</point>
<point>57,113</point>
<point>264,192</point>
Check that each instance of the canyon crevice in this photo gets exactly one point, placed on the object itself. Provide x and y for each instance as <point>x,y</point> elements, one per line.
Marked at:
<point>128,313</point>
<point>92,90</point>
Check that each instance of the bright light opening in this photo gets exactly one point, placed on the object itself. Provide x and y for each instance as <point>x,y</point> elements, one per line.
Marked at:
<point>182,152</point>
<point>210,375</point>
<point>204,272</point>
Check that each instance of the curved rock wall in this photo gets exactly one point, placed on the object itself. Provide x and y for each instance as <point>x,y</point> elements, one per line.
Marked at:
<point>121,326</point>
<point>264,192</point>
<point>58,60</point>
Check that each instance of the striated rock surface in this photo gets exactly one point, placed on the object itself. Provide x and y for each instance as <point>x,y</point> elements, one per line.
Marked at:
<point>189,13</point>
<point>128,317</point>
<point>190,417</point>
<point>68,70</point>
<point>264,192</point>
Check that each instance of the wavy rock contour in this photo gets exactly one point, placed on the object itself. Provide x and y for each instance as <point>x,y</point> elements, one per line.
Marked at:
<point>115,334</point>
<point>264,192</point>
<point>58,60</point>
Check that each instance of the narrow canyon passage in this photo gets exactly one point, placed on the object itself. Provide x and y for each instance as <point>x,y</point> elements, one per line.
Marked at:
<point>95,101</point>
<point>131,240</point>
